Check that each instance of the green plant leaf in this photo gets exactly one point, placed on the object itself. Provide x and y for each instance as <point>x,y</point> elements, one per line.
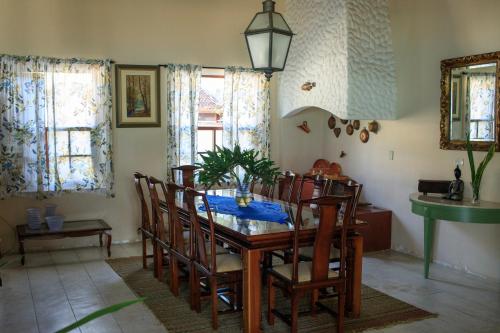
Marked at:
<point>476,183</point>
<point>470,154</point>
<point>99,313</point>
<point>220,165</point>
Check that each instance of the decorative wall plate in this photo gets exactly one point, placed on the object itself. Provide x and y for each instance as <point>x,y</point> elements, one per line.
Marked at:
<point>337,131</point>
<point>373,126</point>
<point>344,121</point>
<point>321,163</point>
<point>332,122</point>
<point>364,135</point>
<point>356,124</point>
<point>349,129</point>
<point>335,168</point>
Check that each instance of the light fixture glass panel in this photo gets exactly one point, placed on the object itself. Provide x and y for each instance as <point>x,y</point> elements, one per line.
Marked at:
<point>259,49</point>
<point>261,21</point>
<point>279,22</point>
<point>280,48</point>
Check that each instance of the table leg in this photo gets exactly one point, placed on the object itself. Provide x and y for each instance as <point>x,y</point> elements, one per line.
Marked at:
<point>108,245</point>
<point>355,294</point>
<point>428,240</point>
<point>252,286</point>
<point>100,239</point>
<point>21,250</point>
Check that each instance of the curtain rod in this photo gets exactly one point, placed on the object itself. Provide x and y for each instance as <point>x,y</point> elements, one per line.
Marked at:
<point>207,67</point>
<point>165,65</point>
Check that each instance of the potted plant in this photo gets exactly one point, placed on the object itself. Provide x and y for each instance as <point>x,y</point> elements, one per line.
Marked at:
<point>477,175</point>
<point>221,165</point>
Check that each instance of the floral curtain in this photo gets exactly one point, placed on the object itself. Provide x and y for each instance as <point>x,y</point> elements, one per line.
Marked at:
<point>183,91</point>
<point>55,126</point>
<point>482,106</point>
<point>246,110</point>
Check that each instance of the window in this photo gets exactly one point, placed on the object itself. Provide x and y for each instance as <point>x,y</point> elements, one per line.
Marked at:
<point>70,123</point>
<point>210,109</point>
<point>56,133</point>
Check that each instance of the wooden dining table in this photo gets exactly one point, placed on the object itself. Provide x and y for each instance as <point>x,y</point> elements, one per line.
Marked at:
<point>255,237</point>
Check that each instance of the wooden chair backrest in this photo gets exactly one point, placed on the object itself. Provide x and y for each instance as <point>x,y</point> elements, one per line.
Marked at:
<point>286,184</point>
<point>317,181</point>
<point>174,223</point>
<point>200,254</point>
<point>352,188</point>
<point>158,222</point>
<point>139,181</point>
<point>186,173</point>
<point>326,232</point>
<point>265,189</point>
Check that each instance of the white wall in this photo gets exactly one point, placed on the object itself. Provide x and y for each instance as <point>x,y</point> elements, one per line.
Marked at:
<point>425,32</point>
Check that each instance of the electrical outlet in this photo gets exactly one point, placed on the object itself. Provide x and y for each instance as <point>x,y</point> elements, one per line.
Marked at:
<point>391,155</point>
<point>459,162</point>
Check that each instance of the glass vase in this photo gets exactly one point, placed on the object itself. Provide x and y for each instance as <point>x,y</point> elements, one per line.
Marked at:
<point>475,195</point>
<point>243,195</point>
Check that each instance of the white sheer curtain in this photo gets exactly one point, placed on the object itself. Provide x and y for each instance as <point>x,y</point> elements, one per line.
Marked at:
<point>55,126</point>
<point>183,94</point>
<point>246,110</point>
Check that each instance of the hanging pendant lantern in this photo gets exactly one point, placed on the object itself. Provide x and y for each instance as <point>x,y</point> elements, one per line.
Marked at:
<point>268,40</point>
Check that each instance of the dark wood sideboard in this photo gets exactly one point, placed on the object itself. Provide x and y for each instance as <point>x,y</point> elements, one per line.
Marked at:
<point>377,234</point>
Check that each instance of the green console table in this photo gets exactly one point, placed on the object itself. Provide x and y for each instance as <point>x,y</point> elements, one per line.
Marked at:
<point>433,208</point>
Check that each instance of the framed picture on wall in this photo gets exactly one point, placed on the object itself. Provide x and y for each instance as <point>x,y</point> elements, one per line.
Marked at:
<point>138,96</point>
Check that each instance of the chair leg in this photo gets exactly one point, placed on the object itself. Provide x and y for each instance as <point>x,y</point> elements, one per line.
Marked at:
<point>294,319</point>
<point>144,252</point>
<point>191,286</point>
<point>196,291</point>
<point>159,263</point>
<point>155,258</point>
<point>213,299</point>
<point>341,309</point>
<point>174,276</point>
<point>239,294</point>
<point>270,299</point>
<point>314,300</point>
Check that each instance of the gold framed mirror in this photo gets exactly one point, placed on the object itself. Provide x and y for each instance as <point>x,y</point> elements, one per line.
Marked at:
<point>470,101</point>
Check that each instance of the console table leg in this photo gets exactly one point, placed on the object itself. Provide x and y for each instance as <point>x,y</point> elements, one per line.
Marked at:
<point>100,239</point>
<point>108,245</point>
<point>428,240</point>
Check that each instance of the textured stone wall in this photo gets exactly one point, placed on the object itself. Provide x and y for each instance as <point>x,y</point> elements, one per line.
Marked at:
<point>345,47</point>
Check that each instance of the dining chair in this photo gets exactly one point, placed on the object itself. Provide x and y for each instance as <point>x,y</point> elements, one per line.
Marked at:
<point>219,269</point>
<point>184,173</point>
<point>146,228</point>
<point>298,278</point>
<point>286,186</point>
<point>162,244</point>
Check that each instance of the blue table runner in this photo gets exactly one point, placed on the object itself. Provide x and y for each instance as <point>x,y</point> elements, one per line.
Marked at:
<point>257,210</point>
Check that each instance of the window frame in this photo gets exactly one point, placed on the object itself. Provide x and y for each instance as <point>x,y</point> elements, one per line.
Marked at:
<point>214,129</point>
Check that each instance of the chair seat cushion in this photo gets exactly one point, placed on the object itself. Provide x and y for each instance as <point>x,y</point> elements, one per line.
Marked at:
<point>285,271</point>
<point>308,252</point>
<point>228,262</point>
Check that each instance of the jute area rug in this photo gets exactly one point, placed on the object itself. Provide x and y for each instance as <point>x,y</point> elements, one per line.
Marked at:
<point>378,309</point>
